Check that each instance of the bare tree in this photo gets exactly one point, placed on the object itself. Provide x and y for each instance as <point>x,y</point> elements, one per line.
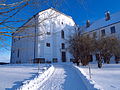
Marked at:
<point>74,45</point>
<point>115,48</point>
<point>81,47</point>
<point>107,47</point>
<point>13,13</point>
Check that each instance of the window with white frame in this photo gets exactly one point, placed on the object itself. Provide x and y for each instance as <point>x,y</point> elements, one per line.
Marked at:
<point>112,29</point>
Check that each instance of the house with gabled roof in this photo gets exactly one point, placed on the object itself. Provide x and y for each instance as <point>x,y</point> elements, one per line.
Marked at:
<point>107,26</point>
<point>43,38</point>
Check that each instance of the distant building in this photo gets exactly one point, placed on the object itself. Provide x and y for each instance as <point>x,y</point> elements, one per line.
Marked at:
<point>45,38</point>
<point>107,26</point>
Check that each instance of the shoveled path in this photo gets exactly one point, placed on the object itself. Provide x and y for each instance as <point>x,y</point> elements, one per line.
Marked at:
<point>64,78</point>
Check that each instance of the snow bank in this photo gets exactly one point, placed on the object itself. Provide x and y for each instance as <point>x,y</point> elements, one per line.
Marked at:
<point>12,75</point>
<point>38,80</point>
<point>108,76</point>
<point>90,84</point>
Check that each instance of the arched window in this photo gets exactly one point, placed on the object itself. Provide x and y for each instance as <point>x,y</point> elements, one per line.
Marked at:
<point>62,34</point>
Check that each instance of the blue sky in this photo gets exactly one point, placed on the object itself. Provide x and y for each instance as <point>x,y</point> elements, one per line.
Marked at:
<point>79,10</point>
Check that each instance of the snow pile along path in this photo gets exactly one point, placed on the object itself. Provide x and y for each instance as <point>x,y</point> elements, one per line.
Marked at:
<point>107,77</point>
<point>64,77</point>
<point>37,81</point>
<point>90,84</point>
<point>12,75</point>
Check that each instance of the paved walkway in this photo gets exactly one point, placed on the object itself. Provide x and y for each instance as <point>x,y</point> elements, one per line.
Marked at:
<point>64,78</point>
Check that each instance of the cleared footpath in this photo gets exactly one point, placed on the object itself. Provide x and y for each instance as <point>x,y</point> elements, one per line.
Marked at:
<point>64,78</point>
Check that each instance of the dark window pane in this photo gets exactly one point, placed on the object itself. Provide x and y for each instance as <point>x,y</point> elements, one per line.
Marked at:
<point>48,33</point>
<point>112,29</point>
<point>62,34</point>
<point>90,57</point>
<point>97,56</point>
<point>18,53</point>
<point>63,46</point>
<point>19,38</point>
<point>48,44</point>
<point>103,32</point>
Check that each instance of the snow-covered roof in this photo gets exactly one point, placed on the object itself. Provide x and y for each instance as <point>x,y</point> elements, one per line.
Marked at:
<point>114,18</point>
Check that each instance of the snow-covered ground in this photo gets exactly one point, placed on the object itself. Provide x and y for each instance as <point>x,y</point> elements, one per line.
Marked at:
<point>108,77</point>
<point>59,77</point>
<point>38,81</point>
<point>12,76</point>
<point>65,77</point>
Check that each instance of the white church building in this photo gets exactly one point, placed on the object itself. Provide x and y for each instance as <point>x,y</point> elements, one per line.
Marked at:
<point>43,37</point>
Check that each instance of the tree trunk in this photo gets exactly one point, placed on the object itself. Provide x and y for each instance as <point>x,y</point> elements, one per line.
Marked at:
<point>100,62</point>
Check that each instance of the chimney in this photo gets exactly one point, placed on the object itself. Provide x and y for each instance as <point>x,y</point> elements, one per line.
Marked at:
<point>87,23</point>
<point>107,16</point>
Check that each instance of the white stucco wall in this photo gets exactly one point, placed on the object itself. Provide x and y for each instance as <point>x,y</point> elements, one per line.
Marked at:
<point>107,31</point>
<point>51,21</point>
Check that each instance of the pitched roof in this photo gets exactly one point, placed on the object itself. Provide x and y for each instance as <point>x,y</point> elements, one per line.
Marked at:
<point>60,12</point>
<point>114,18</point>
<point>40,12</point>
